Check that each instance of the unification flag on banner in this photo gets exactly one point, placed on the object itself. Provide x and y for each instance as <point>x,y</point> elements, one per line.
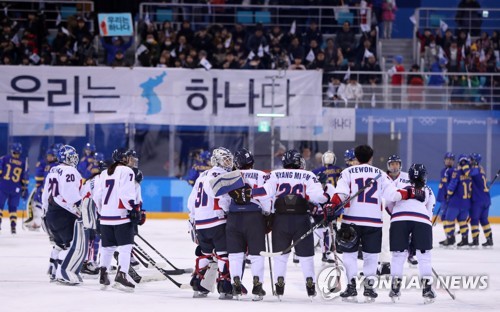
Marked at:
<point>115,24</point>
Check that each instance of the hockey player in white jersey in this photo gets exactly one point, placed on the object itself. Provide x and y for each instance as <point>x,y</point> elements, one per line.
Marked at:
<point>246,228</point>
<point>209,221</point>
<point>362,220</point>
<point>291,189</point>
<point>115,197</point>
<point>61,206</point>
<point>413,217</point>
<point>400,180</point>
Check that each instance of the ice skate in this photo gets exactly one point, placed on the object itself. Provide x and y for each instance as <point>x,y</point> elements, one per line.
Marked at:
<point>328,257</point>
<point>310,287</point>
<point>89,268</point>
<point>412,261</point>
<point>475,243</point>
<point>464,243</point>
<point>369,291</point>
<point>280,287</point>
<point>103,278</point>
<point>257,289</point>
<point>449,242</point>
<point>295,259</point>
<point>427,291</point>
<point>237,287</point>
<point>121,282</point>
<point>350,294</point>
<point>489,242</point>
<point>395,292</point>
<point>384,268</point>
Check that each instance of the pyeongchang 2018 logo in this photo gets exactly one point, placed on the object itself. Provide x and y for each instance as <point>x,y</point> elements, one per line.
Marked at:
<point>332,280</point>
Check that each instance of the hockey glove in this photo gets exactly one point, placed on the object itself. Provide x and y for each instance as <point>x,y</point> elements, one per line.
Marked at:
<point>241,196</point>
<point>143,217</point>
<point>269,219</point>
<point>411,192</point>
<point>135,213</point>
<point>329,208</point>
<point>25,193</point>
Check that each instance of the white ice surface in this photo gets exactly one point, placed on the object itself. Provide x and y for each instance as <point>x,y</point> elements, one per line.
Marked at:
<point>25,287</point>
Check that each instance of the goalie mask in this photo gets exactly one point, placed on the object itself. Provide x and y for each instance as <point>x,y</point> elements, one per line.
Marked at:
<point>418,175</point>
<point>329,158</point>
<point>222,157</point>
<point>390,164</point>
<point>68,155</point>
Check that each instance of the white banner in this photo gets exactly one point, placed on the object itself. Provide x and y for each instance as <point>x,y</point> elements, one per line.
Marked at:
<point>334,124</point>
<point>79,95</point>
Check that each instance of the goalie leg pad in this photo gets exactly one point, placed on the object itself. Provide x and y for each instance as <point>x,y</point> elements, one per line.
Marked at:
<point>77,252</point>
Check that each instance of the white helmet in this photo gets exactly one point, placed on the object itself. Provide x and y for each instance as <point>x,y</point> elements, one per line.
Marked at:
<point>222,157</point>
<point>329,158</point>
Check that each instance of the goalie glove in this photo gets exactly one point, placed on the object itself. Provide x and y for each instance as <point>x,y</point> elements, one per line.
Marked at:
<point>411,192</point>
<point>241,196</point>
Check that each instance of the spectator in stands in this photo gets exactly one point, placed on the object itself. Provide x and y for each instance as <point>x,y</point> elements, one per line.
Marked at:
<point>444,42</point>
<point>333,55</point>
<point>85,49</point>
<point>90,61</point>
<point>319,62</point>
<point>415,88</point>
<point>462,38</point>
<point>27,47</point>
<point>219,55</point>
<point>230,62</point>
<point>63,59</point>
<point>436,82</point>
<point>373,80</point>
<point>117,45</point>
<point>396,81</point>
<point>35,25</point>
<point>363,52</point>
<point>80,31</point>
<point>312,33</point>
<point>203,41</point>
<point>297,64</point>
<point>254,63</point>
<point>7,60</point>
<point>425,39</point>
<point>346,40</point>
<point>306,154</point>
<point>257,40</point>
<point>430,54</point>
<point>186,32</point>
<point>239,34</point>
<point>454,56</point>
<point>388,16</point>
<point>60,41</point>
<point>296,51</point>
<point>469,16</point>
<point>182,46</point>
<point>276,35</point>
<point>7,50</point>
<point>335,88</point>
<point>119,60</point>
<point>495,40</point>
<point>353,92</point>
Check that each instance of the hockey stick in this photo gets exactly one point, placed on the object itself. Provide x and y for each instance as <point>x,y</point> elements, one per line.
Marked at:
<point>144,258</point>
<point>189,270</point>
<point>437,213</point>
<point>270,265</point>
<point>444,285</point>
<point>322,222</point>
<point>150,260</point>
<point>494,178</point>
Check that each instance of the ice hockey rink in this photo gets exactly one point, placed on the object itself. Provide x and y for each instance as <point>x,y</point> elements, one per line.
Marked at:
<point>24,286</point>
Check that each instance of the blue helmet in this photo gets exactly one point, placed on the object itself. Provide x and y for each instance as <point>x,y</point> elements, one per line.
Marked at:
<point>90,147</point>
<point>476,157</point>
<point>99,157</point>
<point>463,158</point>
<point>349,155</point>
<point>449,155</point>
<point>16,147</point>
<point>205,156</point>
<point>68,155</point>
<point>243,158</point>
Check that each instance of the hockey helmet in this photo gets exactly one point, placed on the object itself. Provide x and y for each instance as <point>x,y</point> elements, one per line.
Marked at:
<point>120,155</point>
<point>68,155</point>
<point>449,155</point>
<point>292,159</point>
<point>222,157</point>
<point>243,158</point>
<point>463,159</point>
<point>394,158</point>
<point>418,175</point>
<point>16,148</point>
<point>347,237</point>
<point>476,157</point>
<point>90,147</point>
<point>205,156</point>
<point>329,158</point>
<point>132,159</point>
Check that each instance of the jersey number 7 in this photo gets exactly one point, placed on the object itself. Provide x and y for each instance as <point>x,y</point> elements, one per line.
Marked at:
<point>367,195</point>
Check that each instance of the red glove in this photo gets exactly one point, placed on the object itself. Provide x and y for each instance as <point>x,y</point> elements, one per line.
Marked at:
<point>329,208</point>
<point>410,192</point>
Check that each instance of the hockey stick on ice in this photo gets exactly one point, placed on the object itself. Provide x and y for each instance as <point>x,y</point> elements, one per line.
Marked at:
<point>322,222</point>
<point>150,260</point>
<point>143,259</point>
<point>189,270</point>
<point>444,285</point>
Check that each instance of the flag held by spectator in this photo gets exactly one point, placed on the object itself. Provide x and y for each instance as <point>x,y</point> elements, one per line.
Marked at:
<point>251,55</point>
<point>368,54</point>
<point>293,28</point>
<point>373,102</point>
<point>260,52</point>
<point>205,63</point>
<point>413,19</point>
<point>65,31</point>
<point>310,56</point>
<point>443,25</point>
<point>35,58</point>
<point>141,49</point>
<point>147,19</point>
<point>442,56</point>
<point>482,56</point>
<point>59,18</point>
<point>348,74</point>
<point>468,41</point>
<point>173,54</point>
<point>227,43</point>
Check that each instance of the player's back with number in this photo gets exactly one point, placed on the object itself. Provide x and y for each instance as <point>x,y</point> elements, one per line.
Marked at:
<point>113,193</point>
<point>63,184</point>
<point>202,203</point>
<point>12,174</point>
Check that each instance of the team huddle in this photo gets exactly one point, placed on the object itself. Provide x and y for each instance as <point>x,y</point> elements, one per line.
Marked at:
<point>231,222</point>
<point>385,217</point>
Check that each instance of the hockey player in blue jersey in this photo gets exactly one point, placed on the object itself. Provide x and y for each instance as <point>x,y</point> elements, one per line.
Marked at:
<point>201,163</point>
<point>43,167</point>
<point>459,202</point>
<point>329,169</point>
<point>87,161</point>
<point>481,202</point>
<point>445,177</point>
<point>13,182</point>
